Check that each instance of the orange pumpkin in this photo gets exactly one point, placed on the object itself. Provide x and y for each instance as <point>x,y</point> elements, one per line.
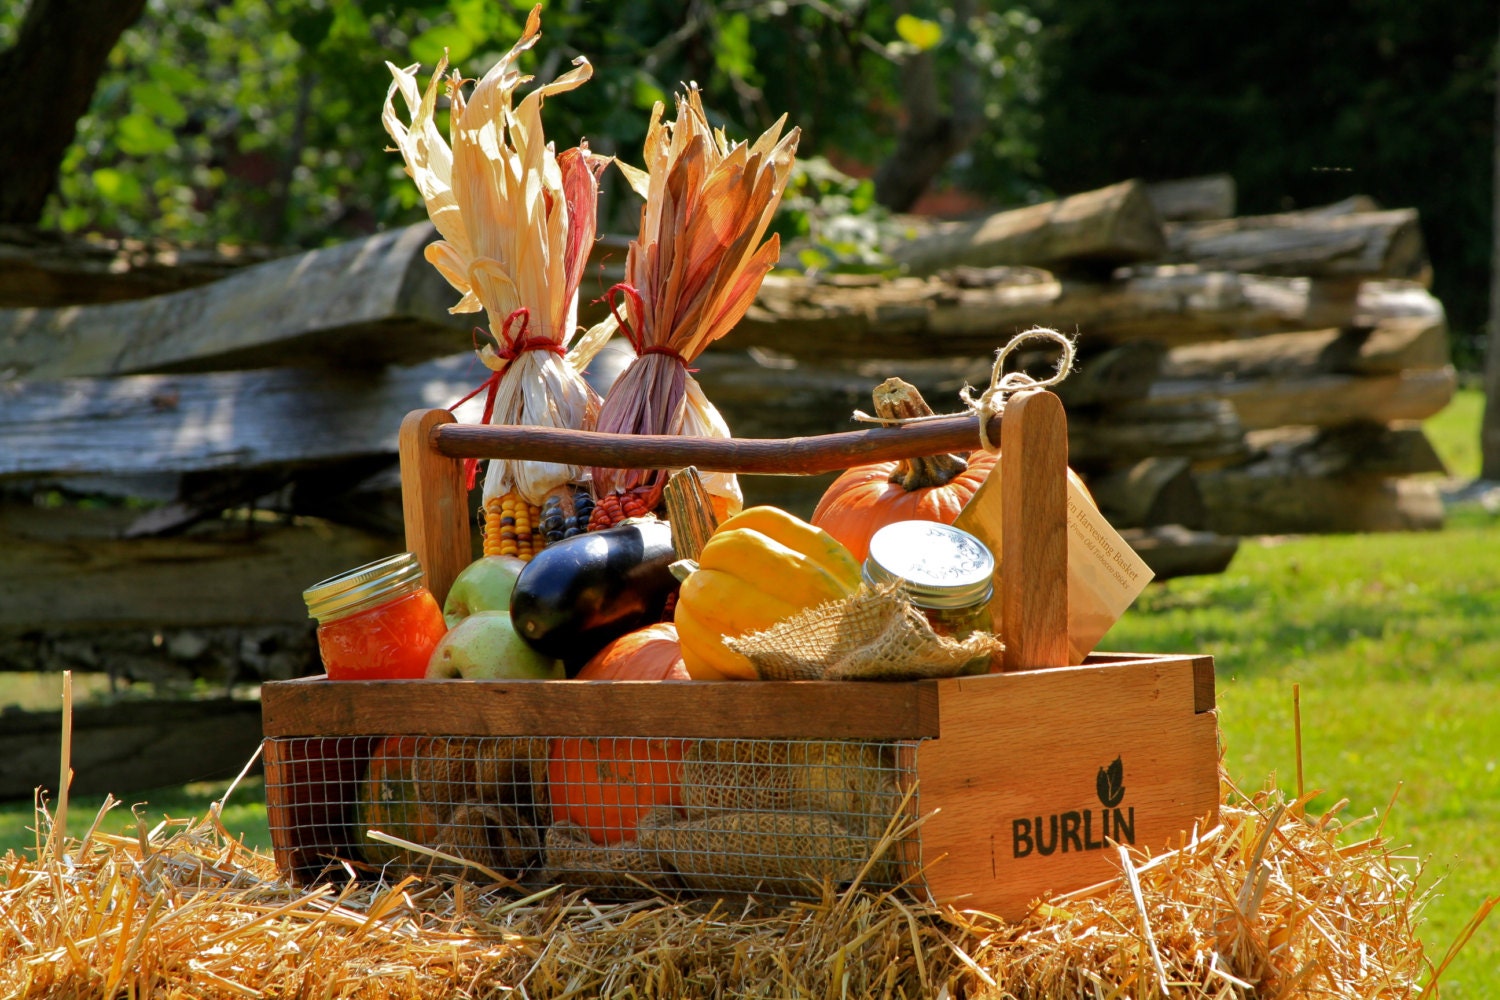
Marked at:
<point>866,498</point>
<point>606,784</point>
<point>392,800</point>
<point>647,654</point>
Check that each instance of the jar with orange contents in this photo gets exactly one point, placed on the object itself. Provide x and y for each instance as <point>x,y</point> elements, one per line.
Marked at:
<point>377,622</point>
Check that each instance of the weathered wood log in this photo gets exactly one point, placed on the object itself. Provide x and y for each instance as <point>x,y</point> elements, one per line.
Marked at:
<point>1202,429</point>
<point>242,421</point>
<point>360,304</point>
<point>45,270</point>
<point>1118,375</point>
<point>1321,400</point>
<point>1403,449</point>
<point>1151,492</point>
<point>1193,198</point>
<point>1116,224</point>
<point>129,747</point>
<point>1391,346</point>
<point>767,397</point>
<point>1358,244</point>
<point>1172,550</point>
<point>1266,498</point>
<point>978,311</point>
<point>67,568</point>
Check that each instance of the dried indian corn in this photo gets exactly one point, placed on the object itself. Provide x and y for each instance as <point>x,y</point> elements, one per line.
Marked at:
<point>510,527</point>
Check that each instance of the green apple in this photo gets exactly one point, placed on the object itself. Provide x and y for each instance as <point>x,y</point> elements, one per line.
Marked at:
<point>483,585</point>
<point>485,646</point>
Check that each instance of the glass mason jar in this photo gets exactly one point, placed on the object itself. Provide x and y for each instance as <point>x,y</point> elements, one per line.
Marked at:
<point>944,571</point>
<point>376,622</point>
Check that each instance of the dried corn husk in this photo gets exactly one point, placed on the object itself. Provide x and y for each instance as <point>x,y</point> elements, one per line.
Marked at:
<point>517,220</point>
<point>691,273</point>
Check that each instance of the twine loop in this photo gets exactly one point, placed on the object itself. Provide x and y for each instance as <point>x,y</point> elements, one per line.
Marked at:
<point>1003,385</point>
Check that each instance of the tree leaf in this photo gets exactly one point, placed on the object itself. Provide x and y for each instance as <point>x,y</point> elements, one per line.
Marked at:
<point>427,48</point>
<point>149,95</point>
<point>920,33</point>
<point>117,187</point>
<point>138,135</point>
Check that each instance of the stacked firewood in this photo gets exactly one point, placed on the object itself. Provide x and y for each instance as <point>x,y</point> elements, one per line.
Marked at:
<point>1238,375</point>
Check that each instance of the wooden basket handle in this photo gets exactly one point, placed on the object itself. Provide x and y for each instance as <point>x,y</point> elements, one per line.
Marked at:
<point>1033,436</point>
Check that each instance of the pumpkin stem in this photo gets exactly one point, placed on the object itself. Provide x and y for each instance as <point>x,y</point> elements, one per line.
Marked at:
<point>896,399</point>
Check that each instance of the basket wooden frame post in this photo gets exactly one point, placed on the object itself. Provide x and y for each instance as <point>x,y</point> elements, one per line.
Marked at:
<point>434,502</point>
<point>1033,469</point>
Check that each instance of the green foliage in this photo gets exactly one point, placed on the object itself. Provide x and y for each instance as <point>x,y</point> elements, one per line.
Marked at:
<point>259,120</point>
<point>1303,105</point>
<point>829,221</point>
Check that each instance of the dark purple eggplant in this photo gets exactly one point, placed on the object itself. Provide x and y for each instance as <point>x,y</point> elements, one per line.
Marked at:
<point>579,594</point>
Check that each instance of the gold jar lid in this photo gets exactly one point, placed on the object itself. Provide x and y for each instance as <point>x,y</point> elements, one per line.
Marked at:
<point>938,565</point>
<point>364,587</point>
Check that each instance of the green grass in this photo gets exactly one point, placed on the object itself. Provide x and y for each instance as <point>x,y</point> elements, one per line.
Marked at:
<point>1395,644</point>
<point>1394,641</point>
<point>1455,433</point>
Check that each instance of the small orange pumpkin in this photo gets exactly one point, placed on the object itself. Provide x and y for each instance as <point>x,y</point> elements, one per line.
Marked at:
<point>867,497</point>
<point>606,784</point>
<point>393,800</point>
<point>647,654</point>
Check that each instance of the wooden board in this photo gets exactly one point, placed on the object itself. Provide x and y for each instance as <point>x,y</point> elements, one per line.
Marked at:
<point>1393,345</point>
<point>688,709</point>
<point>1329,244</point>
<point>1019,784</point>
<point>1115,224</point>
<point>356,305</point>
<point>1272,500</point>
<point>1193,198</point>
<point>1172,550</point>
<point>128,747</point>
<point>223,421</point>
<point>1321,400</point>
<point>66,567</point>
<point>974,312</point>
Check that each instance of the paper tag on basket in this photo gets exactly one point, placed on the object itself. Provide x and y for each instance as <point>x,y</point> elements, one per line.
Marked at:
<point>1104,573</point>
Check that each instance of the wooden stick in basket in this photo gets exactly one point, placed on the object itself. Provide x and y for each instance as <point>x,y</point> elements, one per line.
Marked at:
<point>765,456</point>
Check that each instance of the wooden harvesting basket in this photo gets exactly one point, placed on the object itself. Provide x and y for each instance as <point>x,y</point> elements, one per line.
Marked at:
<point>1025,778</point>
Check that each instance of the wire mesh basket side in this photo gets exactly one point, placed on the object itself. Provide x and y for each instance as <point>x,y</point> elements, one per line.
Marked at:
<point>622,815</point>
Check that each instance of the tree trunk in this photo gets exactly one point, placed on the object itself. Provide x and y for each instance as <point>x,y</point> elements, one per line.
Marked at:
<point>930,136</point>
<point>1489,434</point>
<point>47,79</point>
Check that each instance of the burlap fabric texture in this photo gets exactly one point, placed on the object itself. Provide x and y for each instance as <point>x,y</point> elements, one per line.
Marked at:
<point>872,635</point>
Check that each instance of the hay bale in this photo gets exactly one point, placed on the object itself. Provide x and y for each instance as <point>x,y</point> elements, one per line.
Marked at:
<point>1268,903</point>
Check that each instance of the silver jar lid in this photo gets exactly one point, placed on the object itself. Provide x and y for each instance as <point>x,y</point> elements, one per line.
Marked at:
<point>939,565</point>
<point>364,587</point>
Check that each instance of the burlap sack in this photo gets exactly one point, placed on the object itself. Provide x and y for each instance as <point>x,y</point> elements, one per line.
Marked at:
<point>873,635</point>
<point>784,853</point>
<point>624,870</point>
